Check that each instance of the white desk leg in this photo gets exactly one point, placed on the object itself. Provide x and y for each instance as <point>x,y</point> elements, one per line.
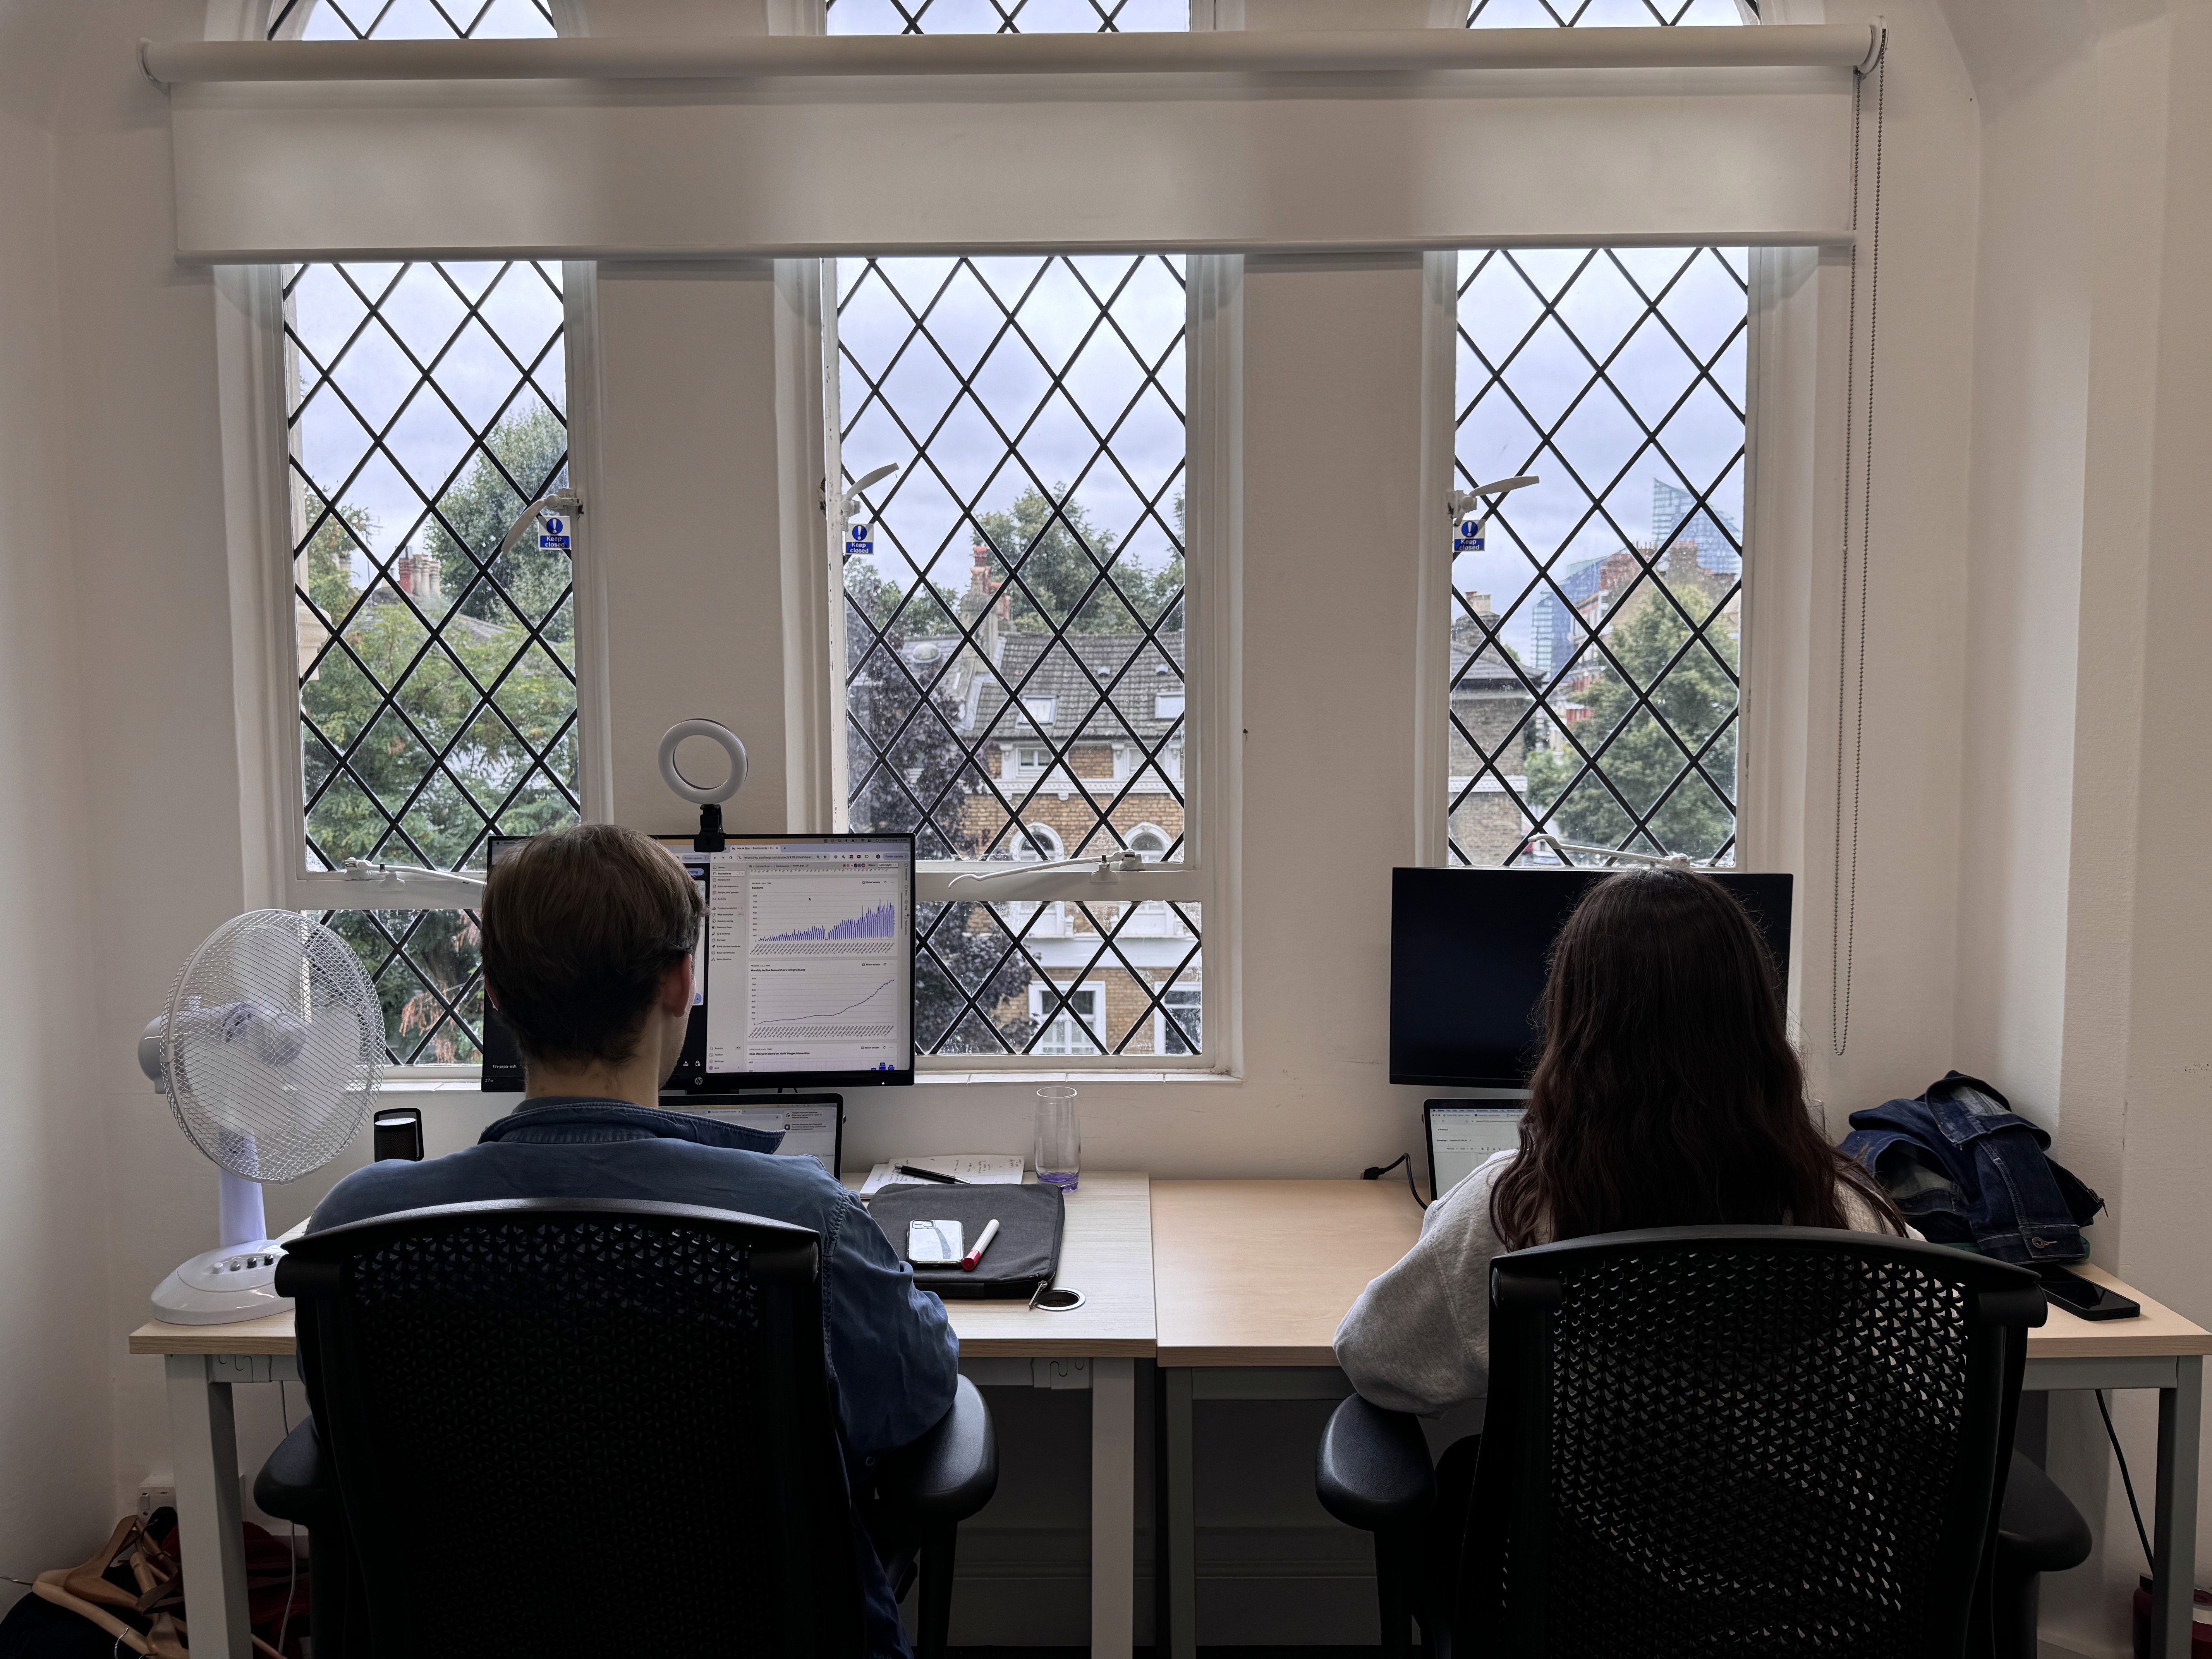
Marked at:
<point>1113,1507</point>
<point>2173,1545</point>
<point>204,1437</point>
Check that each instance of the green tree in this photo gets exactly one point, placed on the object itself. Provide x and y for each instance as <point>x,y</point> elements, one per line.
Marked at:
<point>533,449</point>
<point>382,707</point>
<point>1059,553</point>
<point>930,613</point>
<point>1642,761</point>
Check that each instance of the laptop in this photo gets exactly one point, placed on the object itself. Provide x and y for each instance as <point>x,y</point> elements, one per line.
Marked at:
<point>1462,1134</point>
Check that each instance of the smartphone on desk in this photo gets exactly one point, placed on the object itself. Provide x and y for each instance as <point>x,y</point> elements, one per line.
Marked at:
<point>2084,1299</point>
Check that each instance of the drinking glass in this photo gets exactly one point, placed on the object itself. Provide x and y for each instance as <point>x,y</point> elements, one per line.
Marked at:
<point>1059,1157</point>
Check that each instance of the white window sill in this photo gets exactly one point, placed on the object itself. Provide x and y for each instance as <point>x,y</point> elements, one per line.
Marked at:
<point>1041,1076</point>
<point>431,1080</point>
<point>440,1080</point>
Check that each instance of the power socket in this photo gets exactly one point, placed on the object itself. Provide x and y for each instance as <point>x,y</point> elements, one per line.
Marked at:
<point>152,1497</point>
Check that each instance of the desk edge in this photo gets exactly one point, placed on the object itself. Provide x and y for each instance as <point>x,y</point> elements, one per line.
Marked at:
<point>1292,1357</point>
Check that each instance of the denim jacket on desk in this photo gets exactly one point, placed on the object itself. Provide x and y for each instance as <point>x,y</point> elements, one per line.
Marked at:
<point>1967,1170</point>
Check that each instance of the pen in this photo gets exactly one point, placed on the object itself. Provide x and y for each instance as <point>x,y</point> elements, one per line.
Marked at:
<point>928,1174</point>
<point>983,1243</point>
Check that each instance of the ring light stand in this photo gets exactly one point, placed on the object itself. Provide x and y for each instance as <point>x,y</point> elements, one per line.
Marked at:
<point>708,799</point>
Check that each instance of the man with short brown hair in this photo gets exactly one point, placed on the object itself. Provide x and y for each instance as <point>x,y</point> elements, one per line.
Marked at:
<point>587,941</point>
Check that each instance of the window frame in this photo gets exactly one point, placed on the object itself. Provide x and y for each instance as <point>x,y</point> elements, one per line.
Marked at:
<point>1785,369</point>
<point>1766,402</point>
<point>256,431</point>
<point>1208,756</point>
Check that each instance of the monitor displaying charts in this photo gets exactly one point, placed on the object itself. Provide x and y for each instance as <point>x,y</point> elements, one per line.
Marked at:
<point>804,974</point>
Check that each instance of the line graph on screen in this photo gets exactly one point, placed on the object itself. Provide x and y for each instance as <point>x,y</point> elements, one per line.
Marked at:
<point>814,1008</point>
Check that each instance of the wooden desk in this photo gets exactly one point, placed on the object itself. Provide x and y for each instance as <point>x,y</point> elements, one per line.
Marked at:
<point>1258,1272</point>
<point>1106,1253</point>
<point>1251,1278</point>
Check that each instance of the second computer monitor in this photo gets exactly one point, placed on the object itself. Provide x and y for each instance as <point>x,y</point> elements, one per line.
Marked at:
<point>1469,952</point>
<point>804,974</point>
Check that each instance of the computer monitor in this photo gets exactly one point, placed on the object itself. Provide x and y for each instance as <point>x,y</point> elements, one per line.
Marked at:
<point>1469,951</point>
<point>804,974</point>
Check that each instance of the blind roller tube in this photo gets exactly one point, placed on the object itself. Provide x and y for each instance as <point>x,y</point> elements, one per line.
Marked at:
<point>1287,52</point>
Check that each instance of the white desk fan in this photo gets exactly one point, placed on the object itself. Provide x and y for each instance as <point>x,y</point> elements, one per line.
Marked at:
<point>270,1051</point>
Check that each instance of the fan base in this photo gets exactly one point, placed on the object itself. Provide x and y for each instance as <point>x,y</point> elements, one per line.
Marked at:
<point>223,1287</point>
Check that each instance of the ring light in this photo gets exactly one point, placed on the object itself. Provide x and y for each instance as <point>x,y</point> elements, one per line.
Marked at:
<point>715,732</point>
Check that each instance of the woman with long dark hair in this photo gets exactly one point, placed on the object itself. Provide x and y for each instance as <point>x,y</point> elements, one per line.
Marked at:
<point>1668,1095</point>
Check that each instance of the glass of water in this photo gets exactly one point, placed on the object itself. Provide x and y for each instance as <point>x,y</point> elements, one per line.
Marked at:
<point>1059,1157</point>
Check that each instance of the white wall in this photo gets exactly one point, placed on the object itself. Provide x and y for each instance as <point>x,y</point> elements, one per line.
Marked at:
<point>146,633</point>
<point>55,1338</point>
<point>2081,943</point>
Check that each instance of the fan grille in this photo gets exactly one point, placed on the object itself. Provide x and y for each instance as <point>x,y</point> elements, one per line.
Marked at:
<point>274,1046</point>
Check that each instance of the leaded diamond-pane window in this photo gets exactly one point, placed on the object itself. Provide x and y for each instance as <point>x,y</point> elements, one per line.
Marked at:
<point>1005,16</point>
<point>1015,647</point>
<point>410,20</point>
<point>1599,13</point>
<point>1015,642</point>
<point>427,405</point>
<point>1595,637</point>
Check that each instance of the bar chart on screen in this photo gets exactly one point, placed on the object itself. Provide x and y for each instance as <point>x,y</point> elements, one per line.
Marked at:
<point>809,923</point>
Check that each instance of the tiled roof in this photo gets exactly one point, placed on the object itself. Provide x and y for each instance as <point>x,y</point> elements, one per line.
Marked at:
<point>1492,673</point>
<point>1037,666</point>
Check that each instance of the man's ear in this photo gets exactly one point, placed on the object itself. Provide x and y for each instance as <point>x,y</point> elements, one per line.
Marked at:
<point>676,987</point>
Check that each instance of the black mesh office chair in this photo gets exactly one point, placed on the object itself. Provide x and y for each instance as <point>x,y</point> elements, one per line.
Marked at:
<point>1725,1440</point>
<point>567,1426</point>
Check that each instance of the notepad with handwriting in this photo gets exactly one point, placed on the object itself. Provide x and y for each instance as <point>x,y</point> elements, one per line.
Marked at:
<point>976,1168</point>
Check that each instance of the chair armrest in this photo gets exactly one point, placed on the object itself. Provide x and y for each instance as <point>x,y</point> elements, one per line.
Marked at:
<point>952,1471</point>
<point>1372,1469</point>
<point>2039,1530</point>
<point>298,1483</point>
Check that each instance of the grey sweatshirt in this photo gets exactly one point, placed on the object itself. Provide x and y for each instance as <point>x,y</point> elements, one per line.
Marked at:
<point>1419,1338</point>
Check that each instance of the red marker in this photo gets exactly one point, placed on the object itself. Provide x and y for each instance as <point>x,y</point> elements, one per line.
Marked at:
<point>983,1243</point>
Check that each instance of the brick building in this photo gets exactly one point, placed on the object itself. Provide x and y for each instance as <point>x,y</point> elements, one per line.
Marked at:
<point>1490,703</point>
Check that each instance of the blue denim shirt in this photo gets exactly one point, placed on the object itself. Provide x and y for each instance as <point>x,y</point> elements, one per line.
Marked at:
<point>1967,1170</point>
<point>893,1359</point>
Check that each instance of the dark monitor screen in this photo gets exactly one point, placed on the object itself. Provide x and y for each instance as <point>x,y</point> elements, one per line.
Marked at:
<point>804,974</point>
<point>1469,949</point>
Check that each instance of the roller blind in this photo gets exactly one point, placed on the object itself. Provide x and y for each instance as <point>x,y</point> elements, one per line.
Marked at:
<point>1415,139</point>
